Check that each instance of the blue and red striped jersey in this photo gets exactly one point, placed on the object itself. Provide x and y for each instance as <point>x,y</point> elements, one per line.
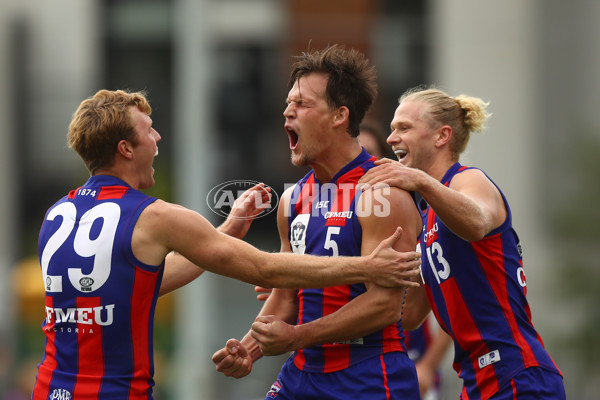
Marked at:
<point>100,299</point>
<point>478,294</point>
<point>323,221</point>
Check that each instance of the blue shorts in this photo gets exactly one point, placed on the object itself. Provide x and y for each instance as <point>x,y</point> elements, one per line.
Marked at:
<point>532,384</point>
<point>390,376</point>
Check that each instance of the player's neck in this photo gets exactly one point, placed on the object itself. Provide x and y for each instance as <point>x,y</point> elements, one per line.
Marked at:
<point>120,174</point>
<point>439,168</point>
<point>332,161</point>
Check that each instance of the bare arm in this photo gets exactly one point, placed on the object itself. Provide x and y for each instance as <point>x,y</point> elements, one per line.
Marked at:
<point>237,357</point>
<point>164,227</point>
<point>373,310</point>
<point>471,207</point>
<point>179,271</point>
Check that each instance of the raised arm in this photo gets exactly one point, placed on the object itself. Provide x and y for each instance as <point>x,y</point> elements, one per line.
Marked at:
<point>179,271</point>
<point>236,358</point>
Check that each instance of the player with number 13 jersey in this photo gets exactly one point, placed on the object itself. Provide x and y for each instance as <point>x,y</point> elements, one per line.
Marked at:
<point>477,291</point>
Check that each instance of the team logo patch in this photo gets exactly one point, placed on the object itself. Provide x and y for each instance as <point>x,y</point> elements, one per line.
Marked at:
<point>489,358</point>
<point>86,284</point>
<point>60,394</point>
<point>275,388</point>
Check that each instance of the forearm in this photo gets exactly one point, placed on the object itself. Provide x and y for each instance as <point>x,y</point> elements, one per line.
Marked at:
<point>282,303</point>
<point>231,229</point>
<point>287,270</point>
<point>362,316</point>
<point>460,214</point>
<point>416,308</point>
<point>179,271</point>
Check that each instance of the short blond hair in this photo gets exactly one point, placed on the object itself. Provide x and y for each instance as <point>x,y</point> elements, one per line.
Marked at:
<point>100,122</point>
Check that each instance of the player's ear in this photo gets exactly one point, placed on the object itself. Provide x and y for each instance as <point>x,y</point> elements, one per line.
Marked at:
<point>125,149</point>
<point>342,114</point>
<point>444,134</point>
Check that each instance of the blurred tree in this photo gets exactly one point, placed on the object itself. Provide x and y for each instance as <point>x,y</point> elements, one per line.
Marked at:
<point>574,224</point>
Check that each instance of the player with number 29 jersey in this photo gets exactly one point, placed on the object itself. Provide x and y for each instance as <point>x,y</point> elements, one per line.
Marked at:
<point>477,291</point>
<point>95,286</point>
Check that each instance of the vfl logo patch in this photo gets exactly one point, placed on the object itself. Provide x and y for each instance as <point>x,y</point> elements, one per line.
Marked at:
<point>489,359</point>
<point>298,233</point>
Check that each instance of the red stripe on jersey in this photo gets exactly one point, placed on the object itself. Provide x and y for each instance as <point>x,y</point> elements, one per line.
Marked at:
<point>44,376</point>
<point>90,360</point>
<point>344,197</point>
<point>73,193</point>
<point>431,230</point>
<point>490,255</point>
<point>514,389</point>
<point>143,288</point>
<point>392,340</point>
<point>300,360</point>
<point>112,192</point>
<point>306,196</point>
<point>353,175</point>
<point>335,356</point>
<point>464,395</point>
<point>385,381</point>
<point>466,334</point>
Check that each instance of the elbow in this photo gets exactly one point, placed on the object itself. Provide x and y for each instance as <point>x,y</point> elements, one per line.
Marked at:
<point>475,232</point>
<point>410,324</point>
<point>412,318</point>
<point>390,313</point>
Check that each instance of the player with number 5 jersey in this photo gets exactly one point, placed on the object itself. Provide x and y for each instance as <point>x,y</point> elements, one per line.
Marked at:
<point>347,340</point>
<point>107,251</point>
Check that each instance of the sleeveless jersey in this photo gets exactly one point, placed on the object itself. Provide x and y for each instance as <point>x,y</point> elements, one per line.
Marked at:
<point>478,294</point>
<point>323,221</point>
<point>100,299</point>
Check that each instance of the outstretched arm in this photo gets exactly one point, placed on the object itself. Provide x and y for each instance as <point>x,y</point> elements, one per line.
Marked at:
<point>179,271</point>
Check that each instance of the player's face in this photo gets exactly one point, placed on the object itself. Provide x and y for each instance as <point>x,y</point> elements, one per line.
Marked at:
<point>308,119</point>
<point>146,148</point>
<point>412,138</point>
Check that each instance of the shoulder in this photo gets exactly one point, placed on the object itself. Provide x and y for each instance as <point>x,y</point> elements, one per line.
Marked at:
<point>283,210</point>
<point>473,178</point>
<point>469,174</point>
<point>386,205</point>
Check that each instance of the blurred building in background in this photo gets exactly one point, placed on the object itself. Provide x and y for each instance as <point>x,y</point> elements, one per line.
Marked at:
<point>216,75</point>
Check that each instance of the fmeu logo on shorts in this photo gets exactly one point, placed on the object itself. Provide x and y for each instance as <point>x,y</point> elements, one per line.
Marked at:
<point>221,199</point>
